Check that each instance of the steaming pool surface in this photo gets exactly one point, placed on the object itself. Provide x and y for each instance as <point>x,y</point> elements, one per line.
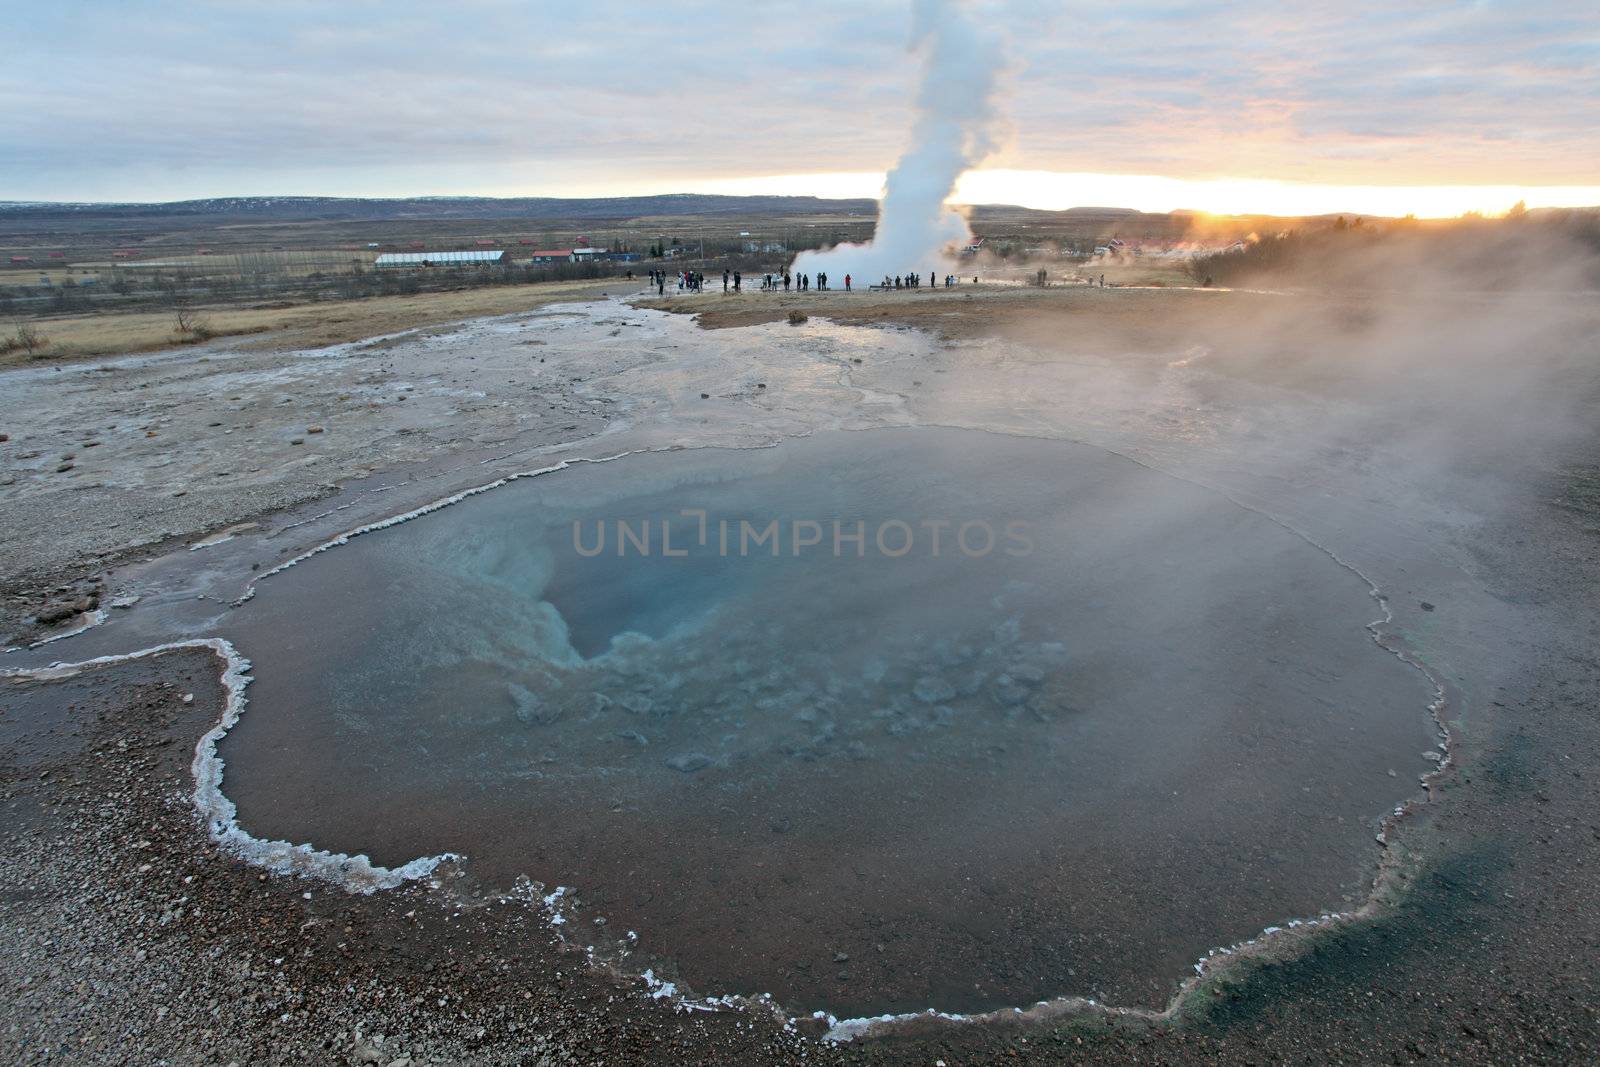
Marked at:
<point>1143,723</point>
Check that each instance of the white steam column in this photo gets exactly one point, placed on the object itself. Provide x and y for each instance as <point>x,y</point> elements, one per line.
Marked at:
<point>955,113</point>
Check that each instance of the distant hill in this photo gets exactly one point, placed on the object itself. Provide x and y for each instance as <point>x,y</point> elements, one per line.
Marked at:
<point>329,208</point>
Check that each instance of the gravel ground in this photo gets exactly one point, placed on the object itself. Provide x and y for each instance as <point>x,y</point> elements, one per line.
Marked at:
<point>103,460</point>
<point>129,939</point>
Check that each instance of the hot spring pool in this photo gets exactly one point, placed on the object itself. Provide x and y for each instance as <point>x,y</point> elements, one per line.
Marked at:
<point>1056,723</point>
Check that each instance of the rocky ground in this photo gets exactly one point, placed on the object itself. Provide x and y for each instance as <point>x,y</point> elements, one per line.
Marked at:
<point>104,460</point>
<point>130,939</point>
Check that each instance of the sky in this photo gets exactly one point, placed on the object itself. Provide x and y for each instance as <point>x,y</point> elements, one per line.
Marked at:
<point>1286,108</point>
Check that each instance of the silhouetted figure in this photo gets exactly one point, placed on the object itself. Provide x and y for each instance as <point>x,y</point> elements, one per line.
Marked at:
<point>847,283</point>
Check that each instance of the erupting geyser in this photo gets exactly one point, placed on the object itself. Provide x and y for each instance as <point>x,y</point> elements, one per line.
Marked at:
<point>955,113</point>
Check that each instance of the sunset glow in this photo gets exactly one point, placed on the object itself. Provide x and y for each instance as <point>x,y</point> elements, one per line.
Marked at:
<point>1054,191</point>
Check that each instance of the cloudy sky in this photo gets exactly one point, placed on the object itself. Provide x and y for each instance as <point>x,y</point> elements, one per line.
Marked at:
<point>1147,103</point>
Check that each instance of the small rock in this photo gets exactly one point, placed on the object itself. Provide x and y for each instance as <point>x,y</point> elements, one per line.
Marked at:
<point>313,429</point>
<point>1426,606</point>
<point>525,705</point>
<point>689,762</point>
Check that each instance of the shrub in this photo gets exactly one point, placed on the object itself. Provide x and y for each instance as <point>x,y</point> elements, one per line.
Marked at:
<point>24,338</point>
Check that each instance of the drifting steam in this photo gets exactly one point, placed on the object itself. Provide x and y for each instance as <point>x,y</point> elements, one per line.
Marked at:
<point>955,114</point>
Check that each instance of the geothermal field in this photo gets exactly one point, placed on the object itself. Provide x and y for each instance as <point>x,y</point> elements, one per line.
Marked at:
<point>834,672</point>
<point>768,628</point>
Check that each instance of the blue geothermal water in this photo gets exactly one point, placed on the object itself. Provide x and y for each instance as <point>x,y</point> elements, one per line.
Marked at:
<point>1106,721</point>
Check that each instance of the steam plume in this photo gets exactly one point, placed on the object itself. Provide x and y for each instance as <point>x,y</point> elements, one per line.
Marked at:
<point>955,113</point>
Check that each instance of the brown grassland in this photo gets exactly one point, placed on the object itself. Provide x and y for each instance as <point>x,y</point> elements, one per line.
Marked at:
<point>310,325</point>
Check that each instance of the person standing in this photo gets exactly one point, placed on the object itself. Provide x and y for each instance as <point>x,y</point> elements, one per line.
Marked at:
<point>847,283</point>
<point>738,279</point>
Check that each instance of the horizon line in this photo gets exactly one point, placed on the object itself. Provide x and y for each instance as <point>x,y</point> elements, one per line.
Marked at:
<point>1593,205</point>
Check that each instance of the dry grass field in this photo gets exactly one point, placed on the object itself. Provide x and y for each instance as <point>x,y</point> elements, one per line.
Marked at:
<point>312,325</point>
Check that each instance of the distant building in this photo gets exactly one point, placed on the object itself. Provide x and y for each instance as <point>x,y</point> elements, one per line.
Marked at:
<point>588,255</point>
<point>624,257</point>
<point>552,255</point>
<point>391,260</point>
